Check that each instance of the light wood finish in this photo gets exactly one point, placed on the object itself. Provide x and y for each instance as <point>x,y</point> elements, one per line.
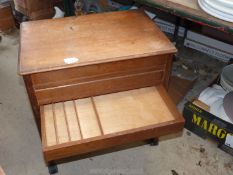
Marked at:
<point>193,4</point>
<point>72,121</point>
<point>117,51</point>
<point>201,105</point>
<point>131,109</point>
<point>138,108</point>
<point>61,123</point>
<point>190,10</point>
<point>87,118</point>
<point>50,125</point>
<point>45,44</point>
<point>96,75</point>
<point>106,115</point>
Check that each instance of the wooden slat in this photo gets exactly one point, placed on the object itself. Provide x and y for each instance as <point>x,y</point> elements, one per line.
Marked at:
<point>98,71</point>
<point>98,87</point>
<point>50,131</point>
<point>167,71</point>
<point>32,97</point>
<point>101,115</point>
<point>72,121</point>
<point>61,126</point>
<point>87,118</point>
<point>112,140</point>
<point>97,116</point>
<point>66,122</point>
<point>131,109</point>
<point>124,117</point>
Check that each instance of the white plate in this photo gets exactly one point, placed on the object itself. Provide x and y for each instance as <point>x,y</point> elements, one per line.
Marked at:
<point>221,7</point>
<point>214,12</point>
<point>225,3</point>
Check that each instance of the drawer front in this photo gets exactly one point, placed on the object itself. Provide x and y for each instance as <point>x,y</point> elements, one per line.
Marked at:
<point>98,71</point>
<point>98,87</point>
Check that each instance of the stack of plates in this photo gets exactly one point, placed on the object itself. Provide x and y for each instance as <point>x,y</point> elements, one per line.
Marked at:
<point>227,105</point>
<point>218,8</point>
<point>227,78</point>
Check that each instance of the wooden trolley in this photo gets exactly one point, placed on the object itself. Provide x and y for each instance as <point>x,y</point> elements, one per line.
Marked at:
<point>97,81</point>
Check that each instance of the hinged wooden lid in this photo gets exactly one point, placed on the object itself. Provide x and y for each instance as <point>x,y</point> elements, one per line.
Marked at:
<point>76,41</point>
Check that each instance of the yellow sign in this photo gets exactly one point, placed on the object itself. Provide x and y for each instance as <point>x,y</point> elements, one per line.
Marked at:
<point>210,127</point>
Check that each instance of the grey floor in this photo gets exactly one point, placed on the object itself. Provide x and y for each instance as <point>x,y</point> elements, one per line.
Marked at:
<point>20,147</point>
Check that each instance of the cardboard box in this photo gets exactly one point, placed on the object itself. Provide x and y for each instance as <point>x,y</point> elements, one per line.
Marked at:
<point>205,124</point>
<point>35,9</point>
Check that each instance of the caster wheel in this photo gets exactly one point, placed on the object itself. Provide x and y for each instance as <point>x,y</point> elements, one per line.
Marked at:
<point>53,169</point>
<point>153,142</point>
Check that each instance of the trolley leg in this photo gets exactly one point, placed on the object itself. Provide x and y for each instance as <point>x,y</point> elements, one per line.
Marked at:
<point>153,142</point>
<point>52,167</point>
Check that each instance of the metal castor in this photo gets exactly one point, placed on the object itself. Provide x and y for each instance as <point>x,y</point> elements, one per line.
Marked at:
<point>52,168</point>
<point>153,142</point>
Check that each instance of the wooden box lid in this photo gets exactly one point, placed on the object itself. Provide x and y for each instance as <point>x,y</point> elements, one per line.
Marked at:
<point>76,41</point>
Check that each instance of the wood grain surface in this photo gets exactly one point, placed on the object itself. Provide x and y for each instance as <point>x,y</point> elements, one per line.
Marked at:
<point>190,10</point>
<point>99,79</point>
<point>102,115</point>
<point>92,39</point>
<point>107,116</point>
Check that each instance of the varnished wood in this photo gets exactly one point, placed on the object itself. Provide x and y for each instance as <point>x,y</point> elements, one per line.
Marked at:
<point>97,115</point>
<point>112,96</point>
<point>170,104</point>
<point>98,38</point>
<point>131,109</point>
<point>111,140</point>
<point>87,118</point>
<point>72,121</point>
<point>98,87</point>
<point>60,122</point>
<point>119,114</point>
<point>98,71</point>
<point>35,9</point>
<point>48,125</point>
<point>32,98</point>
<point>6,18</point>
<point>167,71</point>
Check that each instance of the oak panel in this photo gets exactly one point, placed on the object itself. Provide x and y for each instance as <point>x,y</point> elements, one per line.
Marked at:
<point>108,120</point>
<point>92,39</point>
<point>87,118</point>
<point>98,87</point>
<point>131,109</point>
<point>98,71</point>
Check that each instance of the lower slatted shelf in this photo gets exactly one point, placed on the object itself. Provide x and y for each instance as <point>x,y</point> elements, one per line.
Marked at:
<point>84,125</point>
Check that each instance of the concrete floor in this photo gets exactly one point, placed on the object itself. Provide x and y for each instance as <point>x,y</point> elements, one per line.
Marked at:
<point>20,147</point>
